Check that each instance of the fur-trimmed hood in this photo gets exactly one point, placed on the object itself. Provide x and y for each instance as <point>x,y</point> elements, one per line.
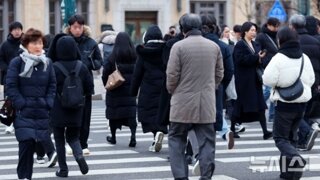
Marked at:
<point>107,37</point>
<point>86,30</point>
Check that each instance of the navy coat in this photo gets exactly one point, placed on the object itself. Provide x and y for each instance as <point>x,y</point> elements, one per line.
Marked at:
<point>32,98</point>
<point>119,102</point>
<point>149,75</point>
<point>8,50</point>
<point>249,89</point>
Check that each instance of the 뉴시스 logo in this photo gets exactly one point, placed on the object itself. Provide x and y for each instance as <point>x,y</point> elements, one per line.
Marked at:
<point>271,163</point>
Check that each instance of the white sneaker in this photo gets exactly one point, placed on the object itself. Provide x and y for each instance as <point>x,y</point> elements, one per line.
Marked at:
<point>69,150</point>
<point>315,126</point>
<point>152,147</point>
<point>196,169</point>
<point>239,128</point>
<point>40,160</point>
<point>9,130</point>
<point>158,141</point>
<point>86,152</point>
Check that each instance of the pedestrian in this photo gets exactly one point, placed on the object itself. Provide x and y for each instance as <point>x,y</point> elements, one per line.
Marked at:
<point>120,104</point>
<point>195,69</point>
<point>91,57</point>
<point>311,47</point>
<point>282,71</point>
<point>225,35</point>
<point>249,105</point>
<point>312,26</point>
<point>171,34</point>
<point>209,27</point>
<point>148,76</point>
<point>31,86</point>
<point>268,41</point>
<point>106,43</point>
<point>9,49</point>
<point>66,122</point>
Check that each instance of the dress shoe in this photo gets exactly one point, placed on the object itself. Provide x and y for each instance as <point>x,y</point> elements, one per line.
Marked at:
<point>111,140</point>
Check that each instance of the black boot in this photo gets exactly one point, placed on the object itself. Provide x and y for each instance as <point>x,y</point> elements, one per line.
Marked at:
<point>62,173</point>
<point>111,140</point>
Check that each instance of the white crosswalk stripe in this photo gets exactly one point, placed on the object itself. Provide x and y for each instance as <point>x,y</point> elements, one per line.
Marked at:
<point>118,161</point>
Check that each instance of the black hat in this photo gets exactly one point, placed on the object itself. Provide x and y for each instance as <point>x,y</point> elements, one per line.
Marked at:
<point>63,47</point>
<point>153,33</point>
<point>15,25</point>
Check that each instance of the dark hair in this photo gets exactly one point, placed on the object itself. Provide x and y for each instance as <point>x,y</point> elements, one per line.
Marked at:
<point>209,23</point>
<point>286,34</point>
<point>273,21</point>
<point>190,22</point>
<point>48,38</point>
<point>76,18</point>
<point>32,35</point>
<point>237,28</point>
<point>15,25</point>
<point>123,50</point>
<point>246,27</point>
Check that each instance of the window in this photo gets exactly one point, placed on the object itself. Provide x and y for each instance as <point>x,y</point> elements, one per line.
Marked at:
<point>7,15</point>
<point>217,9</point>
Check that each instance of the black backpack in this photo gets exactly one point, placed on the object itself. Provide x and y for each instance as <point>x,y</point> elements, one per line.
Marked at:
<point>72,96</point>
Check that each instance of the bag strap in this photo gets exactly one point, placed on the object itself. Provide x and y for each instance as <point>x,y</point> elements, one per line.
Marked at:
<point>301,68</point>
<point>274,44</point>
<point>78,68</point>
<point>62,68</point>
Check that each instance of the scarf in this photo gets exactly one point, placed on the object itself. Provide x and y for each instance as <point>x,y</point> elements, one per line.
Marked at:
<point>31,61</point>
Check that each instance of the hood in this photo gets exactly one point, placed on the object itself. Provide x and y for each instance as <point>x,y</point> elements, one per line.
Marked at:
<point>153,33</point>
<point>86,31</point>
<point>63,47</point>
<point>311,25</point>
<point>211,36</point>
<point>272,34</point>
<point>151,52</point>
<point>107,37</point>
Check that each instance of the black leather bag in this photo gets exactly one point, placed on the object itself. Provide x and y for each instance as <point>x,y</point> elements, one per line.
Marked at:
<point>7,113</point>
<point>295,90</point>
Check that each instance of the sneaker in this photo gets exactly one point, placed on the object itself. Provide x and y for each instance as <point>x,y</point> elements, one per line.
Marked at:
<point>196,169</point>
<point>82,165</point>
<point>52,160</point>
<point>189,159</point>
<point>239,128</point>
<point>315,126</point>
<point>86,151</point>
<point>267,135</point>
<point>311,138</point>
<point>152,147</point>
<point>9,130</point>
<point>40,160</point>
<point>230,139</point>
<point>158,141</point>
<point>69,150</point>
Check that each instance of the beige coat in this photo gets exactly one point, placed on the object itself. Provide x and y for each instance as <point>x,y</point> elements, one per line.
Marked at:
<point>195,69</point>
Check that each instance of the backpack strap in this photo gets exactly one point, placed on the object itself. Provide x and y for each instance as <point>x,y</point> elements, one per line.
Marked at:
<point>78,68</point>
<point>62,68</point>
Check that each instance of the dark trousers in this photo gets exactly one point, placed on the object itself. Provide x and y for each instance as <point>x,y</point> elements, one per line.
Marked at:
<point>45,146</point>
<point>85,126</point>
<point>177,145</point>
<point>71,135</point>
<point>304,130</point>
<point>285,128</point>
<point>219,108</point>
<point>25,164</point>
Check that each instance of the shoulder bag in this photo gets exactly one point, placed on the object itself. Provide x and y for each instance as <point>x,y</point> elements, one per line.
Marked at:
<point>115,79</point>
<point>295,90</point>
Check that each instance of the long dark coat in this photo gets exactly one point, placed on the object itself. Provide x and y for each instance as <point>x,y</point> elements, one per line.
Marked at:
<point>61,117</point>
<point>119,102</point>
<point>148,75</point>
<point>32,98</point>
<point>249,89</point>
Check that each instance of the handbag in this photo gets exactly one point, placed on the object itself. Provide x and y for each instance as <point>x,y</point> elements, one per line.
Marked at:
<point>259,71</point>
<point>7,113</point>
<point>115,79</point>
<point>294,91</point>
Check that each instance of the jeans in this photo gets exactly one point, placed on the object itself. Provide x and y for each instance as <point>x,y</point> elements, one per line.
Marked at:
<point>304,129</point>
<point>225,128</point>
<point>266,95</point>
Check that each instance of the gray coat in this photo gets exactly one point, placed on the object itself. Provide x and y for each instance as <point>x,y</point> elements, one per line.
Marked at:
<point>194,70</point>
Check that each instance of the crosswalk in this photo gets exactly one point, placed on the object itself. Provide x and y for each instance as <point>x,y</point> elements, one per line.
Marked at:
<point>252,157</point>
